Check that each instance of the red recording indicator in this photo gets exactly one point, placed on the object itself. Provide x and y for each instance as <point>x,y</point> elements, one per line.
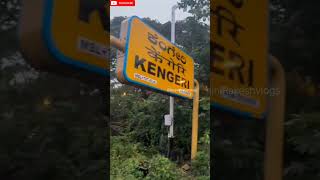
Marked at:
<point>122,3</point>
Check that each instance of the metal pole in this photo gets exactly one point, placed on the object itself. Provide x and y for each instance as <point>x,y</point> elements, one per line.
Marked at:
<point>195,121</point>
<point>274,125</point>
<point>117,43</point>
<point>173,21</point>
<point>171,106</point>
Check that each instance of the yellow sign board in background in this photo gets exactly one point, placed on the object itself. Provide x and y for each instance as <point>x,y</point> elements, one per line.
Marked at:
<point>151,61</point>
<point>239,56</point>
<point>73,32</point>
<point>76,33</point>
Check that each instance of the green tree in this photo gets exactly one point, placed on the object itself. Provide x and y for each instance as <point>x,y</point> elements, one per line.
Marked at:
<point>199,8</point>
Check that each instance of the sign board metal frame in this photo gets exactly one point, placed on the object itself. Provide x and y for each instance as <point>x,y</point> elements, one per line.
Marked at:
<point>124,58</point>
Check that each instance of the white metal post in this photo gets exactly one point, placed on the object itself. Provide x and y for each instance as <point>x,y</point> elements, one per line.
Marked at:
<point>173,21</point>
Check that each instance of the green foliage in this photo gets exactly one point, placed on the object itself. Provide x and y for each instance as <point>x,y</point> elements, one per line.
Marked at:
<point>144,136</point>
<point>51,140</point>
<point>125,159</point>
<point>199,8</point>
<point>143,119</point>
<point>201,164</point>
<point>294,39</point>
<point>43,134</point>
<point>163,168</point>
<point>303,147</point>
<point>9,14</point>
<point>132,161</point>
<point>304,142</point>
<point>294,35</point>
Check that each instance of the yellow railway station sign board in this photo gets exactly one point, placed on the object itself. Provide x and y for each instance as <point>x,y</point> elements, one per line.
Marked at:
<point>72,32</point>
<point>239,57</point>
<point>151,61</point>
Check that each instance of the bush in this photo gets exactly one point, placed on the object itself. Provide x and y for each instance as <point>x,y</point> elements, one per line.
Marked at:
<point>131,161</point>
<point>200,166</point>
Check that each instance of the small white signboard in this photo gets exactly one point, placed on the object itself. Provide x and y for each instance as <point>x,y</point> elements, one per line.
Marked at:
<point>167,120</point>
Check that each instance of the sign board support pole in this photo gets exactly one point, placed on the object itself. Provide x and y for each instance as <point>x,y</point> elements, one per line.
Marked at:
<point>171,105</point>
<point>195,122</point>
<point>117,43</point>
<point>275,125</point>
<point>171,109</point>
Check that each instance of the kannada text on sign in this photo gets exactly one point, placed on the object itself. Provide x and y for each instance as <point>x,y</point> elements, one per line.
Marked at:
<point>154,62</point>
